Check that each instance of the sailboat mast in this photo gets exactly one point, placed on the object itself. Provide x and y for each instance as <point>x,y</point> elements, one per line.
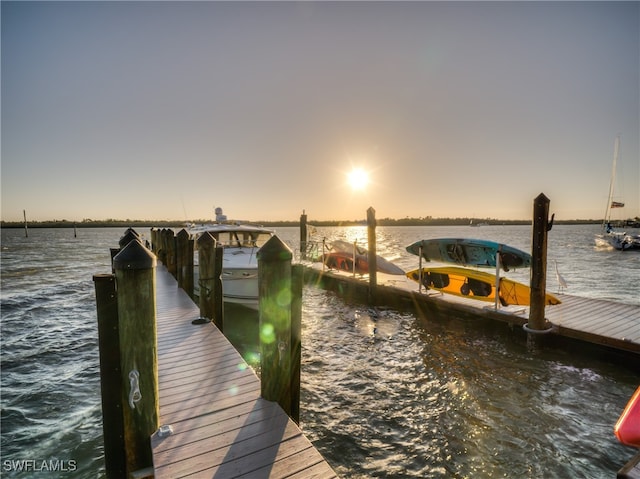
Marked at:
<point>607,213</point>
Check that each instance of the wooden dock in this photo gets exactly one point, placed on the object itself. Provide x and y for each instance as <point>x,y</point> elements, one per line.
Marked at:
<point>210,398</point>
<point>596,321</point>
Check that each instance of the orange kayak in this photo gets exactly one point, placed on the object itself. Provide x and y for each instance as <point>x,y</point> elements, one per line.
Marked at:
<point>627,428</point>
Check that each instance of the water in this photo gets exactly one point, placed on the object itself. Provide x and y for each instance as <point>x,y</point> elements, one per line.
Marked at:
<point>419,397</point>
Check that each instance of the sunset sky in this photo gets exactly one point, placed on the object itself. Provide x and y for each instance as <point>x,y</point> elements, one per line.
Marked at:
<point>165,110</point>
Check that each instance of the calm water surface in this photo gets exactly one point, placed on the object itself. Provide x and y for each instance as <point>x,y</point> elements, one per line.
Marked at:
<point>385,393</point>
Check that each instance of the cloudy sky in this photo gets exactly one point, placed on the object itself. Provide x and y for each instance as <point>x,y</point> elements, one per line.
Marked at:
<point>164,110</point>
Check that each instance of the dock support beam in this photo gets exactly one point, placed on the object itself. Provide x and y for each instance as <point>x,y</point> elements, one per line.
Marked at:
<point>184,256</point>
<point>210,273</point>
<point>279,325</point>
<point>135,277</point>
<point>541,226</point>
<point>303,235</point>
<point>110,375</point>
<point>170,249</point>
<point>372,259</point>
<point>297,281</point>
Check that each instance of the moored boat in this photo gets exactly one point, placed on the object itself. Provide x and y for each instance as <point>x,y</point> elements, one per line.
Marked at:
<point>612,236</point>
<point>240,244</point>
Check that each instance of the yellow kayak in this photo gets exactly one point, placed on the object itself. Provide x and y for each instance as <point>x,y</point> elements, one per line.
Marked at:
<point>470,283</point>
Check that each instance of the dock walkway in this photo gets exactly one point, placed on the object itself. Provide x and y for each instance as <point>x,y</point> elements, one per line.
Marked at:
<point>211,399</point>
<point>596,321</point>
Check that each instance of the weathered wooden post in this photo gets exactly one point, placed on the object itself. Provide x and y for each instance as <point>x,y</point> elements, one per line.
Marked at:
<point>161,250</point>
<point>372,260</point>
<point>110,375</point>
<point>129,235</point>
<point>541,226</point>
<point>113,252</point>
<point>297,281</point>
<point>184,260</point>
<point>135,277</point>
<point>303,235</point>
<point>170,245</point>
<point>210,272</point>
<point>154,240</point>
<point>218,309</point>
<point>275,322</point>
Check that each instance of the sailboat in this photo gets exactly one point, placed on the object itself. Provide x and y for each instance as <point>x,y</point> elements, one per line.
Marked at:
<point>620,240</point>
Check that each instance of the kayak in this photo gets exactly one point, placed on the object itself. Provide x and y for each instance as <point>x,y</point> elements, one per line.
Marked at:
<point>627,429</point>
<point>470,252</point>
<point>476,284</point>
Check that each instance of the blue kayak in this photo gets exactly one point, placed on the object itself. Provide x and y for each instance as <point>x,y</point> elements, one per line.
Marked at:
<point>470,252</point>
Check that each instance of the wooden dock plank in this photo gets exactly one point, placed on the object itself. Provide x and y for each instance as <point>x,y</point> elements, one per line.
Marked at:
<point>598,321</point>
<point>230,419</point>
<point>594,320</point>
<point>235,452</point>
<point>598,318</point>
<point>211,399</point>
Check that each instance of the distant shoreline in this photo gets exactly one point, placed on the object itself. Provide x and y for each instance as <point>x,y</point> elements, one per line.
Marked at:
<point>113,223</point>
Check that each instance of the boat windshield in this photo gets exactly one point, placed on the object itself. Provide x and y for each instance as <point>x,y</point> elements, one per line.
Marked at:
<point>242,239</point>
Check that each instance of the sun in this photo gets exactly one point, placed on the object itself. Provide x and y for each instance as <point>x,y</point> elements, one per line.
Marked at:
<point>358,179</point>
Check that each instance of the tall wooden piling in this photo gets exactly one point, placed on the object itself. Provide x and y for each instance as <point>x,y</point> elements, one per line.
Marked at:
<point>170,247</point>
<point>152,235</point>
<point>129,235</point>
<point>541,227</point>
<point>297,281</point>
<point>275,323</point>
<point>184,260</point>
<point>161,249</point>
<point>210,282</point>
<point>303,235</point>
<point>135,277</point>
<point>372,259</point>
<point>110,375</point>
<point>218,300</point>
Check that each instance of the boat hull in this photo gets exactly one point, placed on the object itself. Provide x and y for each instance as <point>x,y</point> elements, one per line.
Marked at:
<point>470,252</point>
<point>344,256</point>
<point>240,286</point>
<point>619,241</point>
<point>477,285</point>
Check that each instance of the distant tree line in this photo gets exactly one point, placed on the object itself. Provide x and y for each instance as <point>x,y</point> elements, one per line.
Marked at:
<point>177,224</point>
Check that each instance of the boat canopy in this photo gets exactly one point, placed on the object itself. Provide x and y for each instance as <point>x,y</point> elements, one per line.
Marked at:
<point>238,236</point>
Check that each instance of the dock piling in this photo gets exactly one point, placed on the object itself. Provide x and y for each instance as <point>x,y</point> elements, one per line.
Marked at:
<point>110,375</point>
<point>135,277</point>
<point>170,248</point>
<point>372,260</point>
<point>184,259</point>
<point>303,235</point>
<point>210,272</point>
<point>541,226</point>
<point>297,281</point>
<point>129,235</point>
<point>279,336</point>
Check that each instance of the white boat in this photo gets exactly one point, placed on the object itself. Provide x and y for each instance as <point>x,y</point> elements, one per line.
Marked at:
<point>611,236</point>
<point>240,244</point>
